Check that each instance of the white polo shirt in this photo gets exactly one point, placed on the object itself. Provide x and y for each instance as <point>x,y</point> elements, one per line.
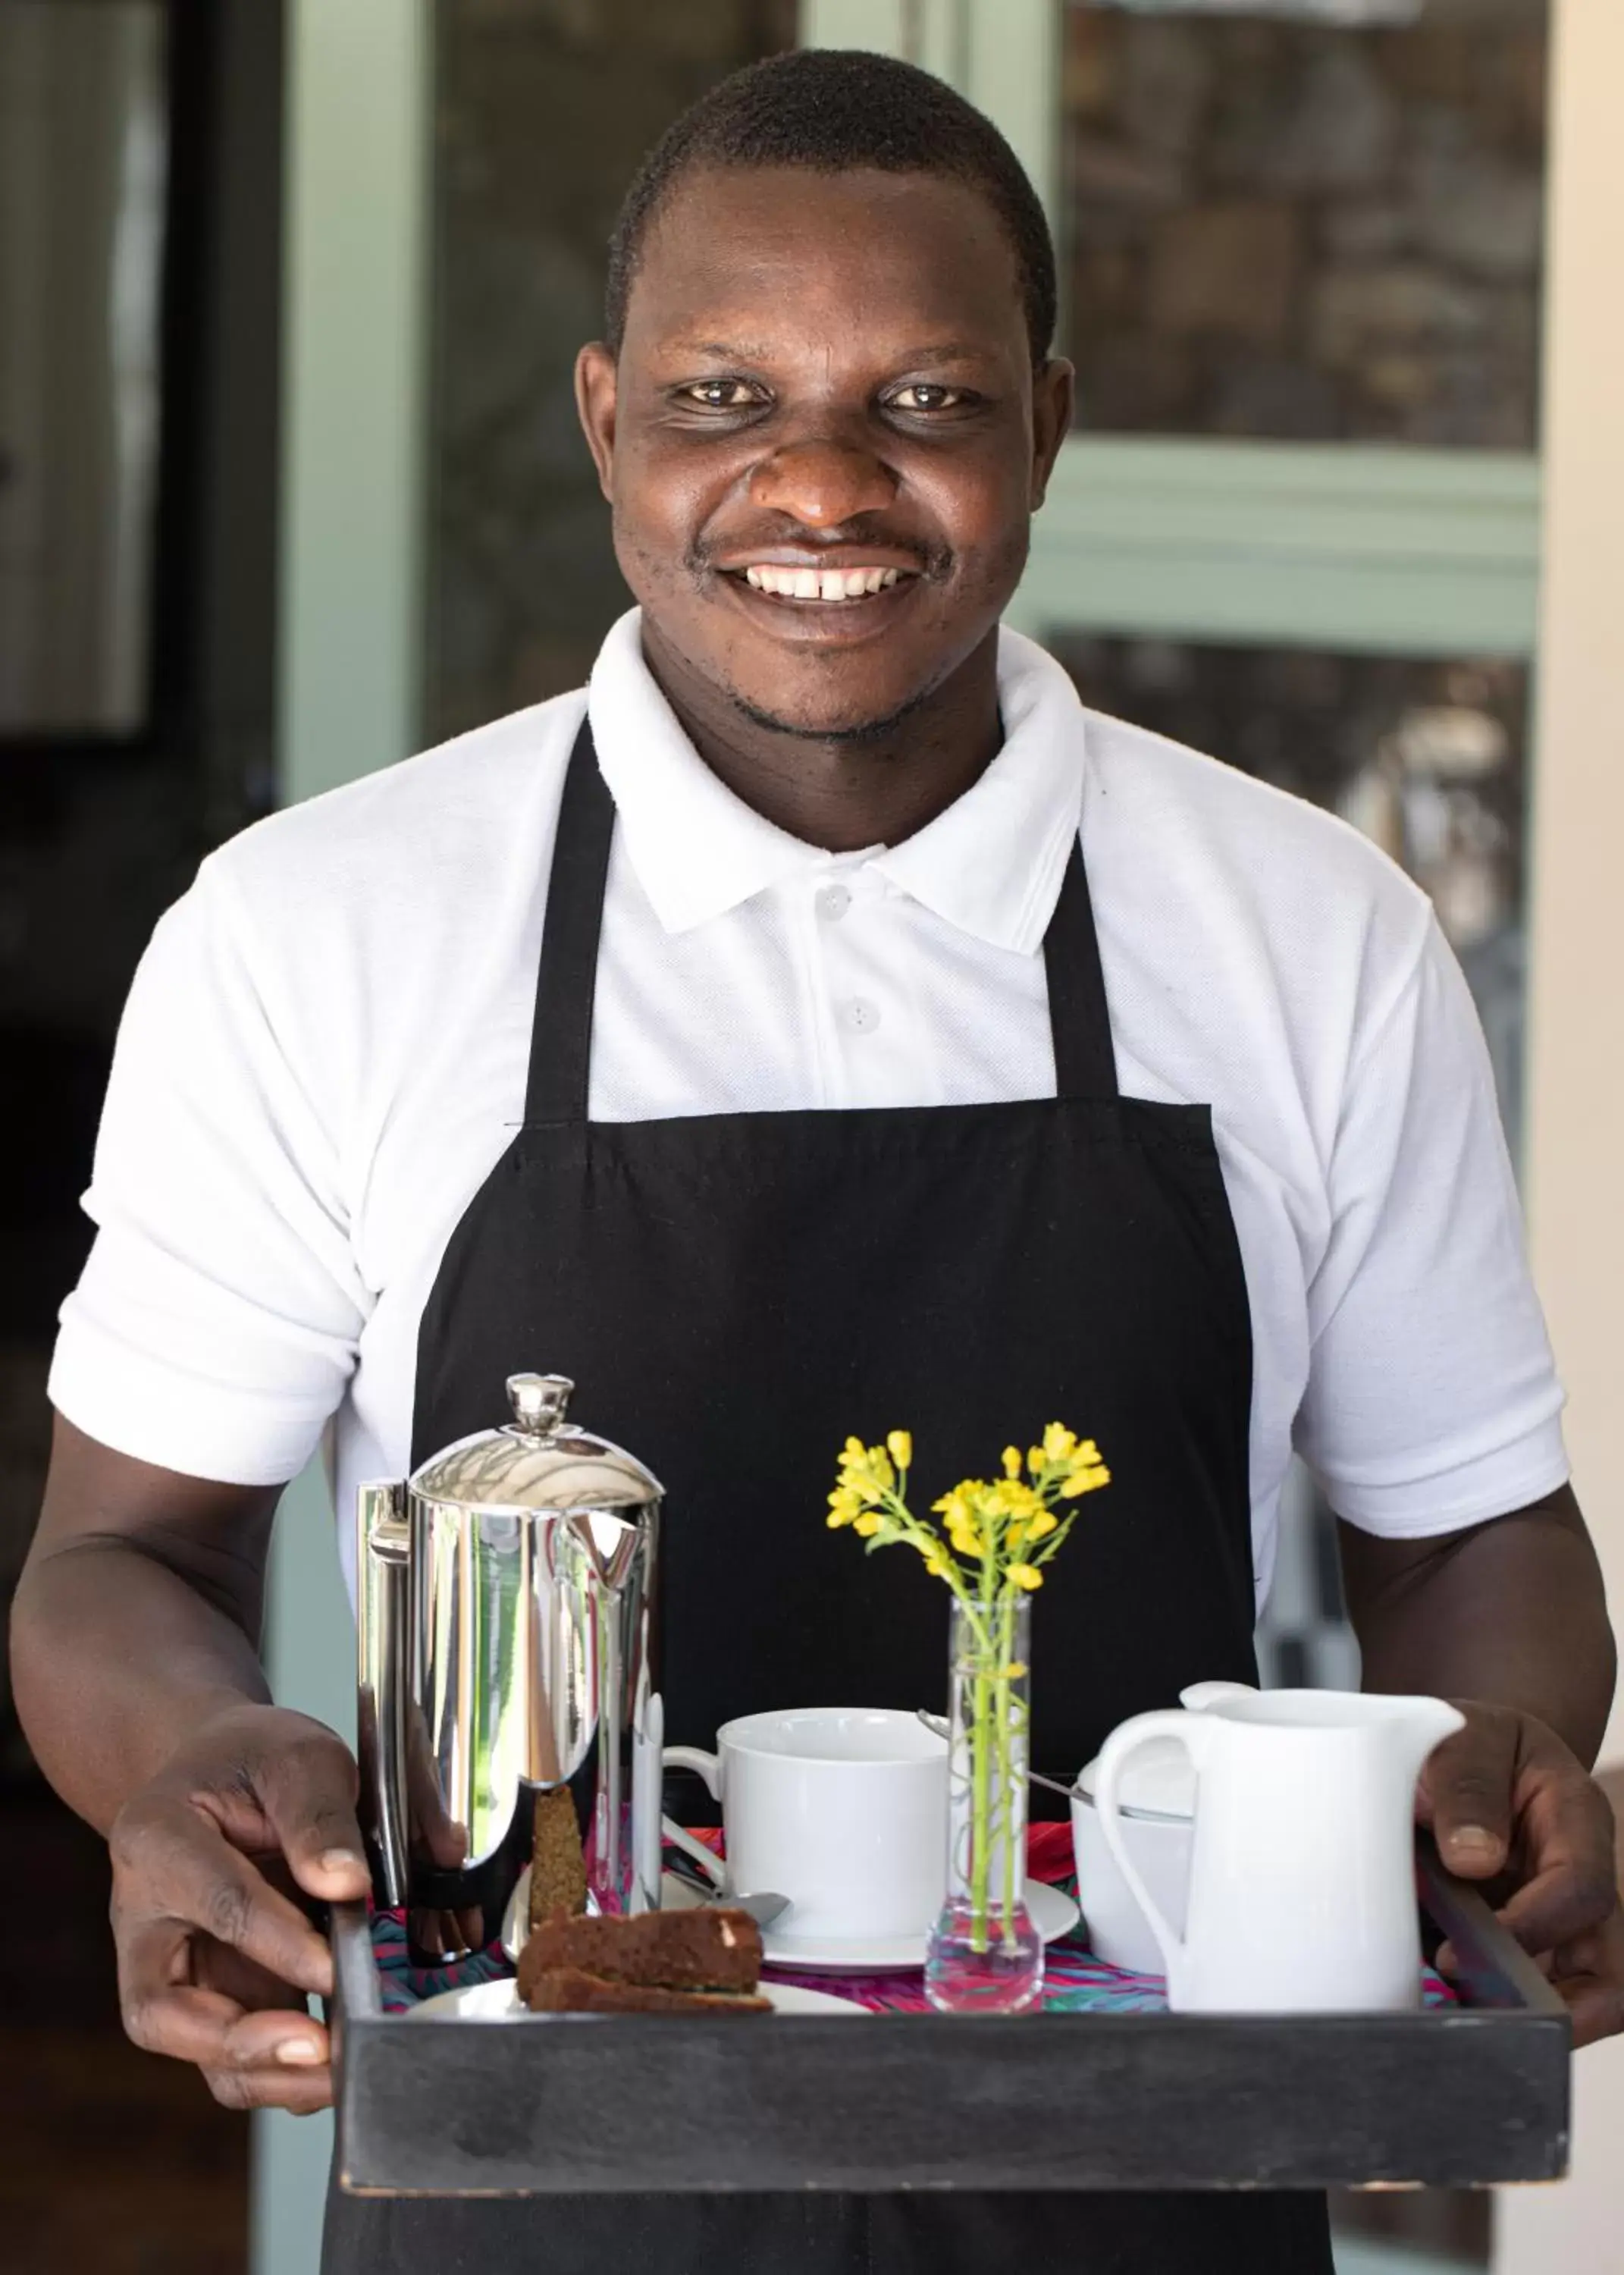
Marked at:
<point>324,1053</point>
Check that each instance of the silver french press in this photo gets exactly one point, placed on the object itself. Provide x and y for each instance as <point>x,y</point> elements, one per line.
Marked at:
<point>507,1639</point>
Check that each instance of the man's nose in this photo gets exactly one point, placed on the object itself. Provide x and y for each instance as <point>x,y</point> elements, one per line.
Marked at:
<point>821,484</point>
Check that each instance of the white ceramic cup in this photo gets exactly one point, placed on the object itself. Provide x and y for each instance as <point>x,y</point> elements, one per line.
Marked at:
<point>842,1808</point>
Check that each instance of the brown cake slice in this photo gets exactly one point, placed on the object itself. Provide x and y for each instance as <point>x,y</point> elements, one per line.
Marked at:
<point>557,1866</point>
<point>568,1990</point>
<point>579,1964</point>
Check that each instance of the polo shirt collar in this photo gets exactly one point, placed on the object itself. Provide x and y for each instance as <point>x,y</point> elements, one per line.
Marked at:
<point>992,864</point>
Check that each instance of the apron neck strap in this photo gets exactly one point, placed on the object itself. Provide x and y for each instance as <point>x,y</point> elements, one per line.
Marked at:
<point>1079,1016</point>
<point>561,1031</point>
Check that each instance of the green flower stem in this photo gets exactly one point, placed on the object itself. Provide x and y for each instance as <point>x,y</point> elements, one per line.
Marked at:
<point>980,1762</point>
<point>1005,1646</point>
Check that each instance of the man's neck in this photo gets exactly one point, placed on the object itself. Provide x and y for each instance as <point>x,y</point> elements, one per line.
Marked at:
<point>842,795</point>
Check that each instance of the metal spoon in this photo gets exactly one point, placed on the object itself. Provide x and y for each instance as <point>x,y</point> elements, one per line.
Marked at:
<point>937,1725</point>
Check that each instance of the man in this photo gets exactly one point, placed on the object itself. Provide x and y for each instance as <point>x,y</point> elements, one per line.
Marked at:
<point>814,1030</point>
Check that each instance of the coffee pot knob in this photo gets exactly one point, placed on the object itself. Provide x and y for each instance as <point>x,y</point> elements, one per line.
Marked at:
<point>539,1402</point>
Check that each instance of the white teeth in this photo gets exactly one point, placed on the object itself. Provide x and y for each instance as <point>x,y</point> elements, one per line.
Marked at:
<point>819,584</point>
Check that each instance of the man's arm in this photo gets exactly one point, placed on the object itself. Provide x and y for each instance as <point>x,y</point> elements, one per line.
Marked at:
<point>1509,1620</point>
<point>138,1679</point>
<point>1512,1612</point>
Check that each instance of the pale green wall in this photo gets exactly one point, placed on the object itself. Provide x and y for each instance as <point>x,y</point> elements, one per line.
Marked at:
<point>350,641</point>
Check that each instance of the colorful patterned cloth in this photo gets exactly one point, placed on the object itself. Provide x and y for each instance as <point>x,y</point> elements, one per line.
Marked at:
<point>1074,1981</point>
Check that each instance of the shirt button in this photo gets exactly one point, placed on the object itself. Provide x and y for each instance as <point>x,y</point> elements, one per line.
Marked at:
<point>831,902</point>
<point>860,1016</point>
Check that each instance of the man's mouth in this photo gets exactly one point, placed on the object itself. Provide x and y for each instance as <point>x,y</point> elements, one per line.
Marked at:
<point>820,585</point>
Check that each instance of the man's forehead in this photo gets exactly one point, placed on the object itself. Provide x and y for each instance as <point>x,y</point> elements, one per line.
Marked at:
<point>743,256</point>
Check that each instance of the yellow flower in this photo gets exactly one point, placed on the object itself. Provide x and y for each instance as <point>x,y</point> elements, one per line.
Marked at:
<point>1034,1459</point>
<point>844,1506</point>
<point>900,1443</point>
<point>1009,1498</point>
<point>867,1470</point>
<point>1085,1480</point>
<point>1026,1576</point>
<point>1058,1441</point>
<point>868,1524</point>
<point>1040,1527</point>
<point>1012,1460</point>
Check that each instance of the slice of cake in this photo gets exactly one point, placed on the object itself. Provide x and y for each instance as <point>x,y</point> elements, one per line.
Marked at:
<point>557,1865</point>
<point>706,1961</point>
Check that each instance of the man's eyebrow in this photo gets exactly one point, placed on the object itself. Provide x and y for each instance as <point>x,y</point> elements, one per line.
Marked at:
<point>724,351</point>
<point>759,352</point>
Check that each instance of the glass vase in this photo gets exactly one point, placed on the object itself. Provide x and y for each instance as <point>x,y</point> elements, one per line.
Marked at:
<point>985,1956</point>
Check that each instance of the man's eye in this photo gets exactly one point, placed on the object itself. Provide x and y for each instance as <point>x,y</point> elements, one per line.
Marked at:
<point>924,396</point>
<point>721,394</point>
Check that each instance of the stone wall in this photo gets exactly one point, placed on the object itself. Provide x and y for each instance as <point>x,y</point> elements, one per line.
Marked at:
<point>544,110</point>
<point>1297,230</point>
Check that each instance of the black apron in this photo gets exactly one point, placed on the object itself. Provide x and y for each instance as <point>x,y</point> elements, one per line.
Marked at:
<point>734,1295</point>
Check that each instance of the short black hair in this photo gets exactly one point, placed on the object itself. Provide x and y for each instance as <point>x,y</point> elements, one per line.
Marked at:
<point>827,108</point>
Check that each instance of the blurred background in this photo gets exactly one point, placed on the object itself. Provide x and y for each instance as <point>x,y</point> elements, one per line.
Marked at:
<point>291,484</point>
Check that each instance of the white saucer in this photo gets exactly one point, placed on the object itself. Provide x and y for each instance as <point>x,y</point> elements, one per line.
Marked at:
<point>1053,1914</point>
<point>499,2002</point>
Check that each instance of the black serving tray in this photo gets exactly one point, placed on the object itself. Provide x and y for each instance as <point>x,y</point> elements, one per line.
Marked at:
<point>1452,2098</point>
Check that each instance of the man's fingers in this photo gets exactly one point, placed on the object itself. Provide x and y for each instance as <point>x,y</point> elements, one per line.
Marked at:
<point>301,2093</point>
<point>308,1792</point>
<point>1568,1842</point>
<point>1589,1974</point>
<point>1559,1905</point>
<point>171,1865</point>
<point>1466,1795</point>
<point>167,2015</point>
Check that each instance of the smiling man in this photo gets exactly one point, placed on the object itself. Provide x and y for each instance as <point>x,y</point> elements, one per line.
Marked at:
<point>820,1024</point>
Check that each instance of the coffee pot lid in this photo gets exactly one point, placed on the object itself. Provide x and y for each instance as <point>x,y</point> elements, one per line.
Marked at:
<point>538,1461</point>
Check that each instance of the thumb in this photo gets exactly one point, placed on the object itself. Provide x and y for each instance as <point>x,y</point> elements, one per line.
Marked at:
<point>307,1789</point>
<point>1465,1796</point>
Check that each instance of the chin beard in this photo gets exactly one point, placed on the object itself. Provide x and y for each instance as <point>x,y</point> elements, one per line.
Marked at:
<point>852,733</point>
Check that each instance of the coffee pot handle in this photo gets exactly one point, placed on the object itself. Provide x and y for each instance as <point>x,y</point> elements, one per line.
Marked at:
<point>707,1767</point>
<point>382,1611</point>
<point>1125,1741</point>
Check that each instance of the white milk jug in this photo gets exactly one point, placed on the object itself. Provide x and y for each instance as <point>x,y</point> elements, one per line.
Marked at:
<point>1301,1880</point>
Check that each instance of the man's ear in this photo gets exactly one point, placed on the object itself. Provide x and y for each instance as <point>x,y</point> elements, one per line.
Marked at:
<point>595,402</point>
<point>1054,385</point>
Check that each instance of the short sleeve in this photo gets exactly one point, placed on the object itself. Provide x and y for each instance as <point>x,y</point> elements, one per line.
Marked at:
<point>216,1322</point>
<point>1433,1400</point>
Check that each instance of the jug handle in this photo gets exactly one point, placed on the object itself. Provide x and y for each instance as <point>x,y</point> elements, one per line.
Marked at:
<point>1165,1722</point>
<point>708,1767</point>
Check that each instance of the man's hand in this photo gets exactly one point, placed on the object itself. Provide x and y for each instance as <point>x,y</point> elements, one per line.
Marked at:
<point>1510,1803</point>
<point>215,1958</point>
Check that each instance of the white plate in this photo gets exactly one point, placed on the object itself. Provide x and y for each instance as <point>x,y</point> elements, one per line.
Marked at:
<point>499,2002</point>
<point>1054,1915</point>
<point>1053,1912</point>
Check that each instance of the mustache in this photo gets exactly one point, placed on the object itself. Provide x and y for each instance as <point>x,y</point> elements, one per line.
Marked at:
<point>932,562</point>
